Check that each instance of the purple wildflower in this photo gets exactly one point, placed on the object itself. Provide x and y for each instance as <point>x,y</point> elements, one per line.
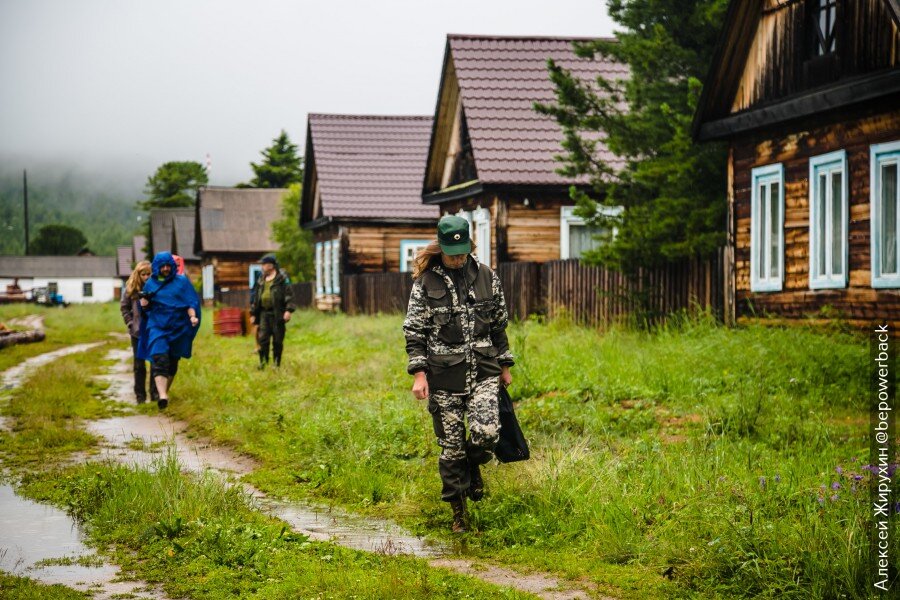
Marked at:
<point>821,501</point>
<point>834,498</point>
<point>762,482</point>
<point>857,477</point>
<point>835,486</point>
<point>777,478</point>
<point>839,469</point>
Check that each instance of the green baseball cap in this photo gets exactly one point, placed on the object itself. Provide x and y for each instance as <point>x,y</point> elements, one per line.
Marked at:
<point>453,235</point>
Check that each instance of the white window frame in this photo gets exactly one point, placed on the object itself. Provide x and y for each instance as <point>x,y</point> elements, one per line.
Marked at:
<point>87,289</point>
<point>767,174</point>
<point>320,275</point>
<point>254,269</point>
<point>828,164</point>
<point>405,245</point>
<point>480,226</point>
<point>336,266</point>
<point>207,276</point>
<point>568,218</point>
<point>326,266</point>
<point>880,154</point>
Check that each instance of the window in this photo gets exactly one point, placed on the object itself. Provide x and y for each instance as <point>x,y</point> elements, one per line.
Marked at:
<point>408,251</point>
<point>481,224</point>
<point>823,15</point>
<point>255,274</point>
<point>828,221</point>
<point>335,267</point>
<point>87,289</point>
<point>52,287</point>
<point>208,289</point>
<point>320,275</point>
<point>326,266</point>
<point>767,228</point>
<point>885,204</point>
<point>577,237</point>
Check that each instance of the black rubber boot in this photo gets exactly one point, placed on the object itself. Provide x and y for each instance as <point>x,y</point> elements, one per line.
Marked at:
<point>276,356</point>
<point>476,483</point>
<point>162,403</point>
<point>460,516</point>
<point>263,360</point>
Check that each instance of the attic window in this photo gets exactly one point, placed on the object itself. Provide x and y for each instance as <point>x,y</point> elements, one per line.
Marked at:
<point>823,16</point>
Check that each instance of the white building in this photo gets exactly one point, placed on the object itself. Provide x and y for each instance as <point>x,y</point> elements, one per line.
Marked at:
<point>78,279</point>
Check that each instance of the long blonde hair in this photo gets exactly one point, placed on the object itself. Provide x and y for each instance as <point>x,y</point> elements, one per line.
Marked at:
<point>426,256</point>
<point>134,284</point>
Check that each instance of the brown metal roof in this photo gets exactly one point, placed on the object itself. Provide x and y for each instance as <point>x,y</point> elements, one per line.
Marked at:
<point>58,266</point>
<point>237,219</point>
<point>369,167</point>
<point>499,80</point>
<point>183,221</point>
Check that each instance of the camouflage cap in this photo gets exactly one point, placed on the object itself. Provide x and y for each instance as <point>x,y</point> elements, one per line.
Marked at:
<point>453,235</point>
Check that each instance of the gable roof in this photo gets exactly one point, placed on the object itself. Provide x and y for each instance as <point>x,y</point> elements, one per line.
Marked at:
<point>172,229</point>
<point>58,266</point>
<point>498,79</point>
<point>236,219</point>
<point>742,19</point>
<point>366,167</point>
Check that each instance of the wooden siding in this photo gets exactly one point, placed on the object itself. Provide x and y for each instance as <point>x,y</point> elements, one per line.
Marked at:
<point>376,248</point>
<point>854,134</point>
<point>779,63</point>
<point>519,233</point>
<point>231,271</point>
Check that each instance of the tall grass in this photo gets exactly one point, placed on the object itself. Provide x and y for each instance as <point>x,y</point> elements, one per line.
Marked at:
<point>200,539</point>
<point>696,452</point>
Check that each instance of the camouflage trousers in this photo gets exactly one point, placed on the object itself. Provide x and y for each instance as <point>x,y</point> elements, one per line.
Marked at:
<point>449,413</point>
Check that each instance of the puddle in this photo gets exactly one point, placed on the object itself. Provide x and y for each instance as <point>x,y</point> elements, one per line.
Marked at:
<point>14,376</point>
<point>32,532</point>
<point>27,322</point>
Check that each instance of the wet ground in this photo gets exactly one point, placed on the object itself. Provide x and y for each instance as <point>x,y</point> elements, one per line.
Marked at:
<point>139,439</point>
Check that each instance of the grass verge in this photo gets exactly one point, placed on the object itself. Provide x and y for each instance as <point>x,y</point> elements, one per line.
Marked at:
<point>691,460</point>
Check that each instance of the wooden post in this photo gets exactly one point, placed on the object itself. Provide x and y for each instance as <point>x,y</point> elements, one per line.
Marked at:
<point>728,293</point>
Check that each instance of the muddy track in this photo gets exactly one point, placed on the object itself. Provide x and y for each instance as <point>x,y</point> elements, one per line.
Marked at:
<point>138,439</point>
<point>44,543</point>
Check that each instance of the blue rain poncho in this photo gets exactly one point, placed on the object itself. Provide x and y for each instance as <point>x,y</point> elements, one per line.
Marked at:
<point>166,328</point>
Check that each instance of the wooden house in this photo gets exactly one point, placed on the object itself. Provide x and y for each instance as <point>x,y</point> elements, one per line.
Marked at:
<point>233,231</point>
<point>807,96</point>
<point>362,196</point>
<point>172,230</point>
<point>491,157</point>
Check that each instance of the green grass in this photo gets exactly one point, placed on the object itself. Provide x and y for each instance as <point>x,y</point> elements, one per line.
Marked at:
<point>44,414</point>
<point>198,539</point>
<point>23,588</point>
<point>75,324</point>
<point>696,452</point>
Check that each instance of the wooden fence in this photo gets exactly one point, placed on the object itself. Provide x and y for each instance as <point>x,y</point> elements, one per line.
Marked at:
<point>591,295</point>
<point>303,296</point>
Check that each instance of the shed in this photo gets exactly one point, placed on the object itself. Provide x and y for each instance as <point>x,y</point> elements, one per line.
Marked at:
<point>78,279</point>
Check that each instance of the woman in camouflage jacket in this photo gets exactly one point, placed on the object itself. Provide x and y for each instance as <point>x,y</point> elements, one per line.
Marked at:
<point>455,330</point>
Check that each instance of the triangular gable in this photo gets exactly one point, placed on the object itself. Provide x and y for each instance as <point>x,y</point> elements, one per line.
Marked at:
<point>764,57</point>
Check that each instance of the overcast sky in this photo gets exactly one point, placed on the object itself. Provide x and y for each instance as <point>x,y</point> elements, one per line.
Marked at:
<point>125,85</point>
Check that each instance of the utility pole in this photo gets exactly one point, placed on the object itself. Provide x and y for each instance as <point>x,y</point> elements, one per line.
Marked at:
<point>25,187</point>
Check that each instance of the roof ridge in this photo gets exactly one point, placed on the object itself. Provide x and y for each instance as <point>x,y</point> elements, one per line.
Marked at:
<point>551,38</point>
<point>369,117</point>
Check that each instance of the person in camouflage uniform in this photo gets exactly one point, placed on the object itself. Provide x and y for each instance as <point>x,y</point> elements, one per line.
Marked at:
<point>455,330</point>
<point>272,303</point>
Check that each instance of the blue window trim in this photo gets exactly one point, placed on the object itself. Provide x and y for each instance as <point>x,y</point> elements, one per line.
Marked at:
<point>878,153</point>
<point>253,269</point>
<point>816,163</point>
<point>404,244</point>
<point>757,175</point>
<point>335,266</point>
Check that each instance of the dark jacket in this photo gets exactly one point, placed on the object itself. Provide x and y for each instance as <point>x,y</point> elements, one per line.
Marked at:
<point>282,296</point>
<point>131,313</point>
<point>457,343</point>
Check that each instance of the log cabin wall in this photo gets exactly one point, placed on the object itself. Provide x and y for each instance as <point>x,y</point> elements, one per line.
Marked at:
<point>375,248</point>
<point>792,146</point>
<point>232,271</point>
<point>520,232</point>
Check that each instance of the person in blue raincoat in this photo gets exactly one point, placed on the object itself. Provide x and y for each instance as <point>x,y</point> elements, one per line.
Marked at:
<point>171,319</point>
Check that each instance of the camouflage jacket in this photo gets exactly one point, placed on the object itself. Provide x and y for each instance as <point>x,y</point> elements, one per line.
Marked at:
<point>457,344</point>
